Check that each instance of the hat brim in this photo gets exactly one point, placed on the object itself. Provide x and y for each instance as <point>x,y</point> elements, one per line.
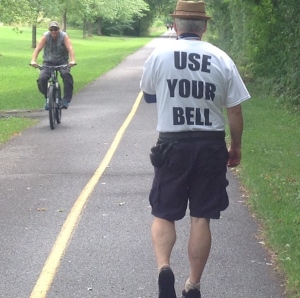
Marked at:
<point>53,25</point>
<point>190,16</point>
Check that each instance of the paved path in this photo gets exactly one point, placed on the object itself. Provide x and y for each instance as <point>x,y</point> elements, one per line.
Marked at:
<point>43,174</point>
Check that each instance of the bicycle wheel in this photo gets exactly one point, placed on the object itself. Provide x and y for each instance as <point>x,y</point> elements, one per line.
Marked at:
<point>51,97</point>
<point>58,105</point>
<point>58,114</point>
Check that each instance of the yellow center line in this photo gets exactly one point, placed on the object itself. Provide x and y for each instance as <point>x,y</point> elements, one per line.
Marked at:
<point>51,266</point>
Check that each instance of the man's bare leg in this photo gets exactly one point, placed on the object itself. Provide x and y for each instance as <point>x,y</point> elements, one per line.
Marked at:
<point>163,238</point>
<point>198,250</point>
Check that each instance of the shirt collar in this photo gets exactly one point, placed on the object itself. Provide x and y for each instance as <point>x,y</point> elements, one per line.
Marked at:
<point>189,36</point>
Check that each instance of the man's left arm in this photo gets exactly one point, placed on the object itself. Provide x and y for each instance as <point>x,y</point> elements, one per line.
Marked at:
<point>69,47</point>
<point>235,122</point>
<point>147,83</point>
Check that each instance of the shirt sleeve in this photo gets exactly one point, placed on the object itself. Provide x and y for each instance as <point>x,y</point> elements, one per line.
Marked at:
<point>150,98</point>
<point>147,81</point>
<point>237,91</point>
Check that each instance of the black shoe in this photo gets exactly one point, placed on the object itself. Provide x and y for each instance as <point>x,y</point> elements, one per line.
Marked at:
<point>166,282</point>
<point>194,293</point>
<point>65,104</point>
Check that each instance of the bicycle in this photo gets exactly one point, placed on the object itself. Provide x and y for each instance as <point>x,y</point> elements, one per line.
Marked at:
<point>54,100</point>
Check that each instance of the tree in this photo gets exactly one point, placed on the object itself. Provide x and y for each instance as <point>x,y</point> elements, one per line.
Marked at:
<point>263,36</point>
<point>28,11</point>
<point>157,9</point>
<point>13,10</point>
<point>119,14</point>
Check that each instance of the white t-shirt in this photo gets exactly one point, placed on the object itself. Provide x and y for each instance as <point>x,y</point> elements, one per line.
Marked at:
<point>193,82</point>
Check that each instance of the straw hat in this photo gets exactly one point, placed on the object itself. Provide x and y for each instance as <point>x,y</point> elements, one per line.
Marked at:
<point>190,10</point>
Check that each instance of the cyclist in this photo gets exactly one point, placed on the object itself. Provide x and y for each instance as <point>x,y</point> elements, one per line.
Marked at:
<point>57,49</point>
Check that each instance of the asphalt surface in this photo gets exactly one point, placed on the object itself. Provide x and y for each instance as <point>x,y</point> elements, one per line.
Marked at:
<point>43,173</point>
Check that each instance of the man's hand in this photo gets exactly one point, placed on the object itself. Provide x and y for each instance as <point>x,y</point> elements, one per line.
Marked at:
<point>34,64</point>
<point>235,156</point>
<point>72,63</point>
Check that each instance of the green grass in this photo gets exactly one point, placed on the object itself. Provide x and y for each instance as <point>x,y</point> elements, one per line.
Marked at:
<point>270,172</point>
<point>12,126</point>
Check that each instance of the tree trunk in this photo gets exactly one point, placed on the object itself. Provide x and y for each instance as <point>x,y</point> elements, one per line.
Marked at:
<point>99,27</point>
<point>90,29</point>
<point>138,29</point>
<point>64,21</point>
<point>84,29</point>
<point>33,36</point>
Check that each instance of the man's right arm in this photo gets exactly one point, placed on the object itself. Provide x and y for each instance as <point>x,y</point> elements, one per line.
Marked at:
<point>37,50</point>
<point>149,98</point>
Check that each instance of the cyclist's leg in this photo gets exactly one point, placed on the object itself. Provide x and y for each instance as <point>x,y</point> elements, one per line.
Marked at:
<point>68,83</point>
<point>44,76</point>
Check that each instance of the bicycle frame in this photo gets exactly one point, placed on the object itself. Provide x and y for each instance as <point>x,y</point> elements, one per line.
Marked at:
<point>54,100</point>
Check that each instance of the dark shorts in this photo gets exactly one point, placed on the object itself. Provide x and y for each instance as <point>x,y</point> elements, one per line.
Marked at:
<point>194,175</point>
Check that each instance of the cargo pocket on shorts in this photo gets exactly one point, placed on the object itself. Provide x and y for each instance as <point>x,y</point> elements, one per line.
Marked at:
<point>159,153</point>
<point>213,159</point>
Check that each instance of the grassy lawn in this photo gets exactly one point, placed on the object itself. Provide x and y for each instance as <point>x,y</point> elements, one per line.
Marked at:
<point>270,172</point>
<point>271,143</point>
<point>12,126</point>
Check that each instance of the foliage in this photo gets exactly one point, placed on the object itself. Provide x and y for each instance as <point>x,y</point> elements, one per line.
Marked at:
<point>27,11</point>
<point>108,17</point>
<point>85,13</point>
<point>263,37</point>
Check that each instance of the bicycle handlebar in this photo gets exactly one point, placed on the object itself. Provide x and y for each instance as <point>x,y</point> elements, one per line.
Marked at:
<point>57,67</point>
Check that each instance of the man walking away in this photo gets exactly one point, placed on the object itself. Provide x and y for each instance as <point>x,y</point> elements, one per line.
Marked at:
<point>191,82</point>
